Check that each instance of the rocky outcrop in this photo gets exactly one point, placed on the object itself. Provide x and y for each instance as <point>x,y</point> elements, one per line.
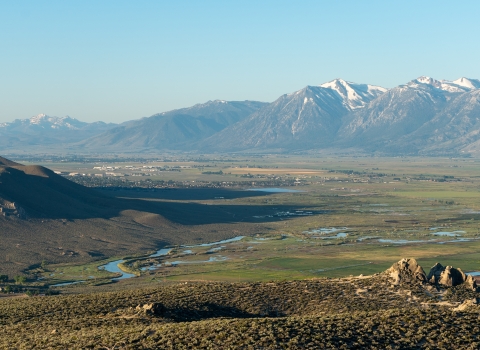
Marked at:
<point>471,282</point>
<point>8,209</point>
<point>470,304</point>
<point>153,309</point>
<point>407,270</point>
<point>449,276</point>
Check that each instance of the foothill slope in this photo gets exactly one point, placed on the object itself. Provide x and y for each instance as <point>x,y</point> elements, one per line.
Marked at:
<point>375,312</point>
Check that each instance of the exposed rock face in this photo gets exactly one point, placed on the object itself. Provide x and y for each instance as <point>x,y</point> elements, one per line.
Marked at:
<point>470,282</point>
<point>467,305</point>
<point>407,270</point>
<point>449,276</point>
<point>8,209</point>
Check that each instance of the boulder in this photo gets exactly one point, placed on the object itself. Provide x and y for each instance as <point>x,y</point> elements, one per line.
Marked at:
<point>407,270</point>
<point>154,309</point>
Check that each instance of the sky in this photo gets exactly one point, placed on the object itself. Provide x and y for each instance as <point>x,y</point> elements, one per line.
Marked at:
<point>121,60</point>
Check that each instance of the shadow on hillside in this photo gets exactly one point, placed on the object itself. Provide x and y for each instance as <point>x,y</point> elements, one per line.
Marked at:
<point>182,193</point>
<point>211,310</point>
<point>45,195</point>
<point>200,214</point>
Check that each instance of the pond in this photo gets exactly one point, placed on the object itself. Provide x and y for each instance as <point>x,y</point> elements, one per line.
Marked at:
<point>400,241</point>
<point>338,235</point>
<point>215,249</point>
<point>361,239</point>
<point>456,240</point>
<point>326,230</point>
<point>160,252</point>
<point>113,267</point>
<point>235,239</point>
<point>274,190</point>
<point>448,234</point>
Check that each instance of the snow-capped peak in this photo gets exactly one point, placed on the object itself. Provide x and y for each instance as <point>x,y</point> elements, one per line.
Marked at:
<point>37,119</point>
<point>427,80</point>
<point>472,84</point>
<point>445,85</point>
<point>54,122</point>
<point>354,95</point>
<point>43,121</point>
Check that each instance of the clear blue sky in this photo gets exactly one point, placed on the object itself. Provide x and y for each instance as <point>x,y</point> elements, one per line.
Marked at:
<point>121,60</point>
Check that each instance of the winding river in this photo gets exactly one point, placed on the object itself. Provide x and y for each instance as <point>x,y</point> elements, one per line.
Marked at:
<point>113,267</point>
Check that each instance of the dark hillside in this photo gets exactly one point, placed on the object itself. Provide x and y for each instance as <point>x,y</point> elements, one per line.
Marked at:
<point>42,193</point>
<point>5,162</point>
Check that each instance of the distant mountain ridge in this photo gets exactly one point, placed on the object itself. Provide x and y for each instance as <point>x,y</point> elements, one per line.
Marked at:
<point>46,130</point>
<point>307,118</point>
<point>45,122</point>
<point>425,116</point>
<point>422,117</point>
<point>459,85</point>
<point>177,129</point>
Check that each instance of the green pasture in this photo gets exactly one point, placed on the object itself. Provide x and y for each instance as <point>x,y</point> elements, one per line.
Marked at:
<point>60,273</point>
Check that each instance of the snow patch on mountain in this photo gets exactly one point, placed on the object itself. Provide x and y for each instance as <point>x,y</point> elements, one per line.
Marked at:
<point>354,95</point>
<point>44,121</point>
<point>459,85</point>
<point>472,84</point>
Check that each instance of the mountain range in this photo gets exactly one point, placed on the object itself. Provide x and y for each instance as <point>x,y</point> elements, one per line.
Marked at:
<point>177,129</point>
<point>306,119</point>
<point>42,130</point>
<point>423,117</point>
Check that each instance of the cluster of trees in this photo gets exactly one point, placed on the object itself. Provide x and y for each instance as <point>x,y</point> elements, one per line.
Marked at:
<point>17,279</point>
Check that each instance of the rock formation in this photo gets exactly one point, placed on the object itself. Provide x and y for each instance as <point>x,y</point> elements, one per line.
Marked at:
<point>449,276</point>
<point>407,270</point>
<point>471,283</point>
<point>155,309</point>
<point>469,304</point>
